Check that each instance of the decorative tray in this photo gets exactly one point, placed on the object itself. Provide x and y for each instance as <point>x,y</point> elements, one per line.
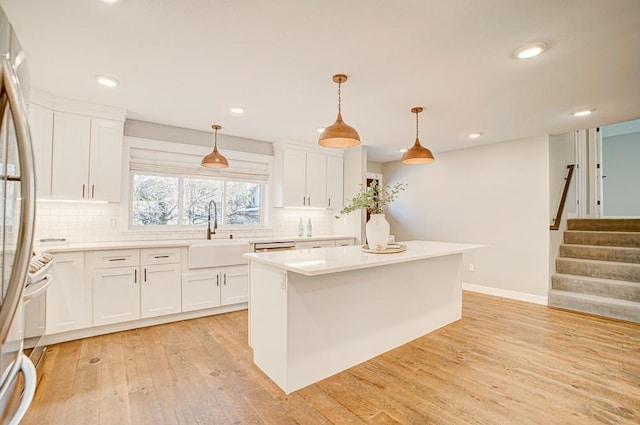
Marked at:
<point>392,248</point>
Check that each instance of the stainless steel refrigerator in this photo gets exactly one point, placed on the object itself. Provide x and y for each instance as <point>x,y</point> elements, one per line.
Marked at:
<point>17,216</point>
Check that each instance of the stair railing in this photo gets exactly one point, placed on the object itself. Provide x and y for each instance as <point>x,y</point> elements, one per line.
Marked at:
<point>567,182</point>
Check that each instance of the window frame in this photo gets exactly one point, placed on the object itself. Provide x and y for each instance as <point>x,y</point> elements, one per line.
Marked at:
<point>126,206</point>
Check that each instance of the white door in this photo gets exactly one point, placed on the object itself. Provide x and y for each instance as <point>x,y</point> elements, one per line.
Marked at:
<point>105,160</point>
<point>160,290</point>
<point>235,285</point>
<point>316,180</point>
<point>335,180</point>
<point>116,295</point>
<point>66,307</point>
<point>201,290</point>
<point>70,166</point>
<point>293,178</point>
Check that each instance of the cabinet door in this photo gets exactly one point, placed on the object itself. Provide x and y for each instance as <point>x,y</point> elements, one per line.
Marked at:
<point>116,295</point>
<point>67,307</point>
<point>293,181</point>
<point>335,180</point>
<point>160,292</point>
<point>41,125</point>
<point>105,160</point>
<point>316,176</point>
<point>200,291</point>
<point>70,166</point>
<point>235,285</point>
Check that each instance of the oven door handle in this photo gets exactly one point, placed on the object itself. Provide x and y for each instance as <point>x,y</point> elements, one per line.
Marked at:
<point>37,289</point>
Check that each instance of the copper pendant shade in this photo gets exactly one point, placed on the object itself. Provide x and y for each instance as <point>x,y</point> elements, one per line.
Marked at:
<point>339,134</point>
<point>418,154</point>
<point>214,159</point>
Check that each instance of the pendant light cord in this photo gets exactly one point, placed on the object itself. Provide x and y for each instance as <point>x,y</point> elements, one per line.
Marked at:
<point>215,138</point>
<point>339,96</point>
<point>417,124</point>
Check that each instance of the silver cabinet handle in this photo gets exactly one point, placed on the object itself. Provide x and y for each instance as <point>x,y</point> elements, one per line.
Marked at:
<point>83,191</point>
<point>329,202</point>
<point>304,200</point>
<point>93,190</point>
<point>217,280</point>
<point>135,275</point>
<point>24,244</point>
<point>145,274</point>
<point>117,259</point>
<point>225,279</point>
<point>161,256</point>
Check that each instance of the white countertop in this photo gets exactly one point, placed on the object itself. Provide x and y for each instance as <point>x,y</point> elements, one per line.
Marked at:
<point>93,246</point>
<point>318,261</point>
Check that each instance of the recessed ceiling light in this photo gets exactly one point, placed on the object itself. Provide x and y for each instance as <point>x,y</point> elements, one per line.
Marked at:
<point>320,129</point>
<point>474,135</point>
<point>237,110</point>
<point>582,113</point>
<point>530,50</point>
<point>105,80</point>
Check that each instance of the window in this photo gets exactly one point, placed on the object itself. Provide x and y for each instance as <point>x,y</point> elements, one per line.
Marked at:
<point>169,189</point>
<point>160,201</point>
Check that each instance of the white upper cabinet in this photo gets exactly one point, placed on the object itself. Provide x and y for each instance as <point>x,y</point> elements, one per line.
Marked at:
<point>335,181</point>
<point>307,178</point>
<point>87,158</point>
<point>41,125</point>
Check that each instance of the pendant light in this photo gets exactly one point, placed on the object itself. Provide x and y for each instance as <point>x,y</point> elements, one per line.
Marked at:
<point>214,159</point>
<point>417,154</point>
<point>339,134</point>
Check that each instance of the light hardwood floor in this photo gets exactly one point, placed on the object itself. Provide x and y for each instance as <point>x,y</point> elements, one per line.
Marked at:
<point>505,362</point>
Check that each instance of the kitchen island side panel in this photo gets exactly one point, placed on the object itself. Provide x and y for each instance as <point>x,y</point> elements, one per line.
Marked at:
<point>338,320</point>
<point>268,320</point>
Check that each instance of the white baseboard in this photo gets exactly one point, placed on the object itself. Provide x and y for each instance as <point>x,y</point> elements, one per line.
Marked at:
<point>505,293</point>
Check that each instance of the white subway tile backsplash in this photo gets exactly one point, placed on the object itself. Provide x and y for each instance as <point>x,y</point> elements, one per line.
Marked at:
<point>83,223</point>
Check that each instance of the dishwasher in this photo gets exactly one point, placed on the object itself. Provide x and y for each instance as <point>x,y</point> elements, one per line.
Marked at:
<point>274,246</point>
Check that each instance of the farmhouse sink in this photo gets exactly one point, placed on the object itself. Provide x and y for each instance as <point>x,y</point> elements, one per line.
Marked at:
<point>217,252</point>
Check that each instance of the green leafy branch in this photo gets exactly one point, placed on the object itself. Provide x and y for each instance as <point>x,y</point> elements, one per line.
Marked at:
<point>373,198</point>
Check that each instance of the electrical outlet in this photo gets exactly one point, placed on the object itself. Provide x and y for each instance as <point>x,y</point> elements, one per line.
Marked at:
<point>471,267</point>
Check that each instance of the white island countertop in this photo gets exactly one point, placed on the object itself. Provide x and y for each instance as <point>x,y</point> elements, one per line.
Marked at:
<point>319,261</point>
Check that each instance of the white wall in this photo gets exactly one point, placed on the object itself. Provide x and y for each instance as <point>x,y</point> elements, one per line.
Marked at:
<point>497,195</point>
<point>561,153</point>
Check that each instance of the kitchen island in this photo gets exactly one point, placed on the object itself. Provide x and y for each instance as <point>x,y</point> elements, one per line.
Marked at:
<point>316,312</point>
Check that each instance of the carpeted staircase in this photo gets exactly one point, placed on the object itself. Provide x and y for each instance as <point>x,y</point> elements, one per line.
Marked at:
<point>598,271</point>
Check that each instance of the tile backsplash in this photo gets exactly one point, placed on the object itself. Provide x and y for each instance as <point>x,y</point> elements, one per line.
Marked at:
<point>84,222</point>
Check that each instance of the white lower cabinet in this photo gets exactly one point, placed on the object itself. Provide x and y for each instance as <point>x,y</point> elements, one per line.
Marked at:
<point>235,285</point>
<point>116,295</point>
<point>68,298</point>
<point>214,287</point>
<point>315,244</point>
<point>149,287</point>
<point>160,292</point>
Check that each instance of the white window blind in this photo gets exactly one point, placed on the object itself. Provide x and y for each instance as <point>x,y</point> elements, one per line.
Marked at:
<point>144,159</point>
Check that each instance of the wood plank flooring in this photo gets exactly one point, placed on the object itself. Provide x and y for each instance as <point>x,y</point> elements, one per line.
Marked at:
<point>505,362</point>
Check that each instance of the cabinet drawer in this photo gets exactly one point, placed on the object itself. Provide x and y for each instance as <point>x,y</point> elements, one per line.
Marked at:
<point>315,244</point>
<point>116,258</point>
<point>344,242</point>
<point>152,256</point>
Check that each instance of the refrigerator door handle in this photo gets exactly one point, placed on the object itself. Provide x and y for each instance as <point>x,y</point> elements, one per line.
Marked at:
<point>30,380</point>
<point>17,279</point>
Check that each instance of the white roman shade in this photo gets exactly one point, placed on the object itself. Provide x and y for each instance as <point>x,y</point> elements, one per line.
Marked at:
<point>151,160</point>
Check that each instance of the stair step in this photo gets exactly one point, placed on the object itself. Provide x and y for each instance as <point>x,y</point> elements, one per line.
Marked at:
<point>594,304</point>
<point>604,224</point>
<point>620,239</point>
<point>602,269</point>
<point>609,288</point>
<point>603,253</point>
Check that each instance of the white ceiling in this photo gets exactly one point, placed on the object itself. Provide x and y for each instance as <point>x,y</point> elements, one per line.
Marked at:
<point>185,62</point>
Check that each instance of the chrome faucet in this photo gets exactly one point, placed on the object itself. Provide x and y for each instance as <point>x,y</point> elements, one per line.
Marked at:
<point>215,219</point>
